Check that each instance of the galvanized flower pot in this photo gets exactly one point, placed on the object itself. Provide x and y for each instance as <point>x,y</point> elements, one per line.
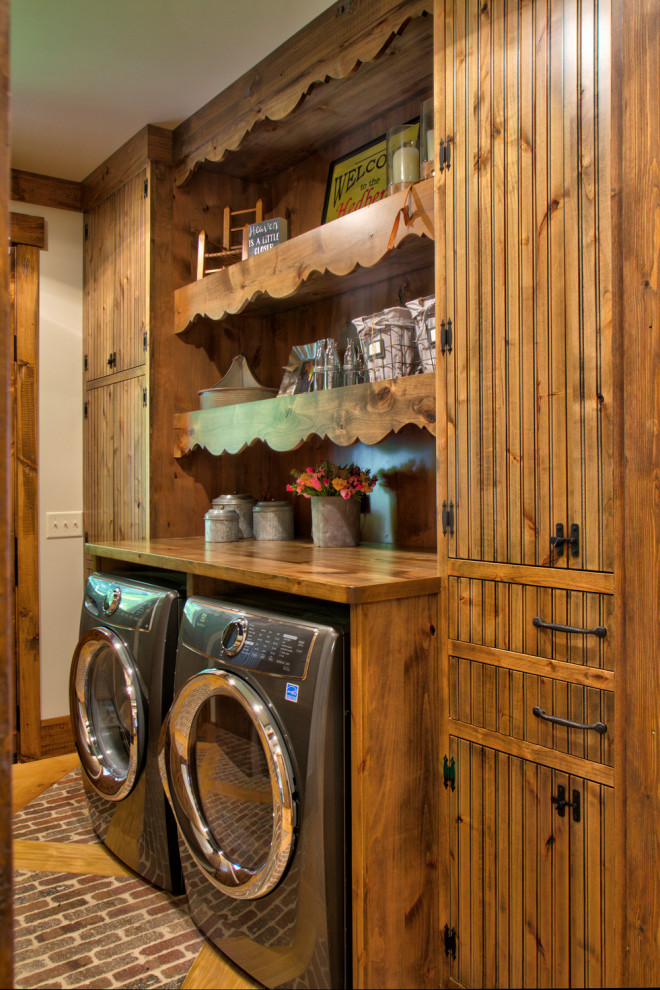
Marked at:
<point>335,521</point>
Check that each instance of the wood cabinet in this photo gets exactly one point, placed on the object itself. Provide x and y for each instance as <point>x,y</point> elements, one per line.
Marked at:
<point>532,900</point>
<point>527,391</point>
<point>115,280</point>
<point>127,289</point>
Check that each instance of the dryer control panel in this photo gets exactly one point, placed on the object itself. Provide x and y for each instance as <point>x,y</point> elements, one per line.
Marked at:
<point>268,644</point>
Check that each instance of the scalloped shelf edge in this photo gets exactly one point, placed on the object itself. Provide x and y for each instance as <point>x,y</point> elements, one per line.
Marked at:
<point>278,106</point>
<point>282,265</point>
<point>377,410</point>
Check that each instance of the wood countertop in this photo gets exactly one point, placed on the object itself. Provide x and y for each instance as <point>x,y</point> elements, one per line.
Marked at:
<point>366,573</point>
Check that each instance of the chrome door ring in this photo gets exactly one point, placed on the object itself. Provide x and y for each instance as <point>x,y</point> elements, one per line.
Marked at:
<point>177,743</point>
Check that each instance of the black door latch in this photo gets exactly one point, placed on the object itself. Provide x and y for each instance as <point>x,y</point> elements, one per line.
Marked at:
<point>562,804</point>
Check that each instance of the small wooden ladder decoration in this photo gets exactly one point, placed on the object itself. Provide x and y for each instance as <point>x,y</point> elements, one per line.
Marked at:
<point>214,257</point>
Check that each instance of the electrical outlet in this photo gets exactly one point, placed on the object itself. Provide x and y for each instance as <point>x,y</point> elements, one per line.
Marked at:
<point>63,524</point>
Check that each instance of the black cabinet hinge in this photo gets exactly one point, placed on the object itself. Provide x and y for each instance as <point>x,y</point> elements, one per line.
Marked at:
<point>144,395</point>
<point>146,188</point>
<point>112,360</point>
<point>449,773</point>
<point>85,363</point>
<point>144,341</point>
<point>450,941</point>
<point>85,411</point>
<point>445,337</point>
<point>444,155</point>
<point>447,518</point>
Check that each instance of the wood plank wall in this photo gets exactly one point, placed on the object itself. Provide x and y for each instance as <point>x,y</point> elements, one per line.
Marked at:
<point>529,272</point>
<point>25,299</point>
<point>636,56</point>
<point>6,570</point>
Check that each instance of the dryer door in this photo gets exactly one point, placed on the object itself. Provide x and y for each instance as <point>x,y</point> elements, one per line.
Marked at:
<point>107,713</point>
<point>230,781</point>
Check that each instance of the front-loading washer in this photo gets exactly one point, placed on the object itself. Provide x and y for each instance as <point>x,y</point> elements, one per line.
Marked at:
<point>120,688</point>
<point>253,758</point>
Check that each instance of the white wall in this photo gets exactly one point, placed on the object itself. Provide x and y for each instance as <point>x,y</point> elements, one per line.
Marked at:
<point>60,447</point>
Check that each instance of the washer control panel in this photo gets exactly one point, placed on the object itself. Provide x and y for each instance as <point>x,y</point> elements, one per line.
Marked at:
<point>267,644</point>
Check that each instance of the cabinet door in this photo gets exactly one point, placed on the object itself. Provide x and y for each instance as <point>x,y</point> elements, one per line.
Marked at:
<point>131,459</point>
<point>98,445</point>
<point>116,461</point>
<point>115,280</point>
<point>529,280</point>
<point>532,891</point>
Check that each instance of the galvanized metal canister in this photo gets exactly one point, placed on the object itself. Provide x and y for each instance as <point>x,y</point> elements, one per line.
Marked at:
<point>221,525</point>
<point>242,504</point>
<point>273,521</point>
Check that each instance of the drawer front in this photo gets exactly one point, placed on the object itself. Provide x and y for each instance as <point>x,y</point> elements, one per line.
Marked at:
<point>502,700</point>
<point>515,617</point>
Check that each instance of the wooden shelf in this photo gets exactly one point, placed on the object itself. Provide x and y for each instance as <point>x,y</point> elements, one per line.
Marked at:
<point>361,247</point>
<point>366,573</point>
<point>366,412</point>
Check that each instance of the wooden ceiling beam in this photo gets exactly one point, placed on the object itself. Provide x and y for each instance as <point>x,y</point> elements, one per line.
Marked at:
<point>45,190</point>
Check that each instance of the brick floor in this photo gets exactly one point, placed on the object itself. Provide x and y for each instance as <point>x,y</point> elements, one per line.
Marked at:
<point>59,814</point>
<point>74,931</point>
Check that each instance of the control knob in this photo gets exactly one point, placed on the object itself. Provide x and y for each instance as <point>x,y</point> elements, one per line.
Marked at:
<point>234,635</point>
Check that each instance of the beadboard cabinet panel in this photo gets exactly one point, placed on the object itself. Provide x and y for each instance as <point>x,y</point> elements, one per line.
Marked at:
<point>532,890</point>
<point>115,296</point>
<point>116,443</point>
<point>516,617</point>
<point>529,391</point>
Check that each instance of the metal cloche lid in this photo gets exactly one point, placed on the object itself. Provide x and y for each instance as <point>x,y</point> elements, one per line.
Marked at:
<point>271,504</point>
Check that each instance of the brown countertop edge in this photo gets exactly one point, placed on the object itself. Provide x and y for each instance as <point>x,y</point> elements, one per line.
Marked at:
<point>366,573</point>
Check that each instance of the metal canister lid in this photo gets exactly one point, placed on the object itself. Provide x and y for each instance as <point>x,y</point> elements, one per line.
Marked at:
<point>221,512</point>
<point>270,505</point>
<point>235,498</point>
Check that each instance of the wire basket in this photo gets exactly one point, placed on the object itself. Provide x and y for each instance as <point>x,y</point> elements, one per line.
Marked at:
<point>423,313</point>
<point>387,342</point>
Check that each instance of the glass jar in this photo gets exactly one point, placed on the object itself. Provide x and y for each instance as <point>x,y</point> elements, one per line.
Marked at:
<point>426,140</point>
<point>402,156</point>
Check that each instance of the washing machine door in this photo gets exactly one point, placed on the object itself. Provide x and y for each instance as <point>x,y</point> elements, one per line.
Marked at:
<point>229,778</point>
<point>107,713</point>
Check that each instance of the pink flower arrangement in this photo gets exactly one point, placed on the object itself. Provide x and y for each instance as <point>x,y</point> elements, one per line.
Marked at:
<point>331,479</point>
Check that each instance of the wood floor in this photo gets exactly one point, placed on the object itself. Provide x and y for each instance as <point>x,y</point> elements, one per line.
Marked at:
<point>29,780</point>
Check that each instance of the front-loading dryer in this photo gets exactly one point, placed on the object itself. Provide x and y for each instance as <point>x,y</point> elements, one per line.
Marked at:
<point>120,688</point>
<point>253,757</point>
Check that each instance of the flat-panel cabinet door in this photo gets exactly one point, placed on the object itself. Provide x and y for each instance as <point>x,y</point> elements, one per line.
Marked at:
<point>532,887</point>
<point>529,392</point>
<point>115,293</point>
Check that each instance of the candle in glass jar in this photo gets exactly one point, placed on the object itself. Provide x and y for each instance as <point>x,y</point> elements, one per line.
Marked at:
<point>405,165</point>
<point>429,145</point>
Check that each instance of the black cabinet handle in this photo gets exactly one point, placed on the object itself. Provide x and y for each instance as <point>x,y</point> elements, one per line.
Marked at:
<point>599,631</point>
<point>599,727</point>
